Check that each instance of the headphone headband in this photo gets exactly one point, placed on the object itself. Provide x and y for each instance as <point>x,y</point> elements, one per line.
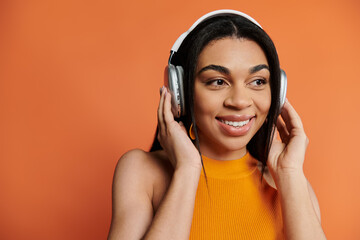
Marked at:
<point>174,76</point>
<point>178,42</point>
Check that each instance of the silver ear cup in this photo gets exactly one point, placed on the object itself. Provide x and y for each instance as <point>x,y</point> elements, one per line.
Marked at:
<point>173,86</point>
<point>283,88</point>
<point>181,96</point>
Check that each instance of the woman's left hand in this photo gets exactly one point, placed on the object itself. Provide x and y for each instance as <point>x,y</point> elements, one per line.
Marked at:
<point>287,156</point>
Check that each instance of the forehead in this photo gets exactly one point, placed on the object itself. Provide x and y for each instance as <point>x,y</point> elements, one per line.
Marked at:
<point>232,53</point>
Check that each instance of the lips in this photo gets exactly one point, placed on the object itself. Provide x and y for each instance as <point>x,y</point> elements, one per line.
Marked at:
<point>235,117</point>
<point>235,125</point>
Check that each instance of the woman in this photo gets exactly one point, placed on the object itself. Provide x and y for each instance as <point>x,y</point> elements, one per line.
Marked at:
<point>229,179</point>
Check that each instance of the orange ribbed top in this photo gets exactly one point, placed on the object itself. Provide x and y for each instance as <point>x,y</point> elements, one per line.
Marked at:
<point>237,205</point>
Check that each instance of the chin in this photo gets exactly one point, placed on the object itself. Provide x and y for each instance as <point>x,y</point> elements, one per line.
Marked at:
<point>234,145</point>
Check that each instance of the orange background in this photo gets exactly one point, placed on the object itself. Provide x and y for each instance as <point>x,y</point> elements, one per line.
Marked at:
<point>79,86</point>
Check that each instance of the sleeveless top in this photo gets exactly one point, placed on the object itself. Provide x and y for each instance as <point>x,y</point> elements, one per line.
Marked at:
<point>237,204</point>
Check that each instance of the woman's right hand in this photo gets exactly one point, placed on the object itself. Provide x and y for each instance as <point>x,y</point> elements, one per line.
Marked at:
<point>173,136</point>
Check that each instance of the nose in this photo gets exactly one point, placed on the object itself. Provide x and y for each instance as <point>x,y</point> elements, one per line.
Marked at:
<point>238,98</point>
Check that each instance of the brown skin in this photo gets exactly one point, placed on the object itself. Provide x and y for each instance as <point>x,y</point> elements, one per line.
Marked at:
<point>238,91</point>
<point>153,190</point>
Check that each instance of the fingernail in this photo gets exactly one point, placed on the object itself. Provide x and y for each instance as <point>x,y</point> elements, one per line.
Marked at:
<point>161,89</point>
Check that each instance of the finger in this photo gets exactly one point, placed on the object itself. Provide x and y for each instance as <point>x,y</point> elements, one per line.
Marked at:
<point>168,115</point>
<point>182,126</point>
<point>160,111</point>
<point>275,137</point>
<point>291,118</point>
<point>282,130</point>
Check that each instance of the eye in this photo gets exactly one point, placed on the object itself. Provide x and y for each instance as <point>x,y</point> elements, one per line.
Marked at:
<point>216,82</point>
<point>219,82</point>
<point>259,82</point>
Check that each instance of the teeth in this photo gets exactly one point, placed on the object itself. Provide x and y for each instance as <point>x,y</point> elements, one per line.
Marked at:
<point>235,124</point>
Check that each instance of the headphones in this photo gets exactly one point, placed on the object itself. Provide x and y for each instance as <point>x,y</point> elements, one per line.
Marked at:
<point>174,74</point>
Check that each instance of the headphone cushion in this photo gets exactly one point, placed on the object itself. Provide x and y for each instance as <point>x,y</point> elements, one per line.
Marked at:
<point>181,96</point>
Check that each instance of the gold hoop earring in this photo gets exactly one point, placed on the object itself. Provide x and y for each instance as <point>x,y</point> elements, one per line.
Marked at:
<point>191,132</point>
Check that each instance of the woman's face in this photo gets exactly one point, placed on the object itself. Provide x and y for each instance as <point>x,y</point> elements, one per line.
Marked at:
<point>232,96</point>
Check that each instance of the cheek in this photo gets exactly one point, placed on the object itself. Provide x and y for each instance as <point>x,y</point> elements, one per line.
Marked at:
<point>200,105</point>
<point>267,103</point>
<point>205,105</point>
<point>263,102</point>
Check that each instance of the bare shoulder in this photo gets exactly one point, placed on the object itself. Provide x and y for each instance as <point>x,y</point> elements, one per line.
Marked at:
<point>138,161</point>
<point>138,179</point>
<point>151,170</point>
<point>144,165</point>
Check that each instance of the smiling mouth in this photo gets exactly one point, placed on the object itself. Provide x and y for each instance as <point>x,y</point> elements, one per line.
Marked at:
<point>236,124</point>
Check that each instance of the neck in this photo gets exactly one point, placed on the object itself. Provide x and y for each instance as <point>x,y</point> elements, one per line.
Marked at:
<point>223,154</point>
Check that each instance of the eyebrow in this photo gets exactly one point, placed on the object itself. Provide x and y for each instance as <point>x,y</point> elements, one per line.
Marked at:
<point>226,71</point>
<point>258,68</point>
<point>217,68</point>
